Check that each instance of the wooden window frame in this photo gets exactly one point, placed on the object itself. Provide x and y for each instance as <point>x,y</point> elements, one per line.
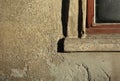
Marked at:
<point>93,28</point>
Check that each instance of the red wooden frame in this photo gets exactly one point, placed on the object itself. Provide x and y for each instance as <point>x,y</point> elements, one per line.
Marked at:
<point>101,28</point>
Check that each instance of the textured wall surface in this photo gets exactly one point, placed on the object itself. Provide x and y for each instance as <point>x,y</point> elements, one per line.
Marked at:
<point>29,33</point>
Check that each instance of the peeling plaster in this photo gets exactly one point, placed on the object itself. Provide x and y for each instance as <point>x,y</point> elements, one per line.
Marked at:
<point>18,73</point>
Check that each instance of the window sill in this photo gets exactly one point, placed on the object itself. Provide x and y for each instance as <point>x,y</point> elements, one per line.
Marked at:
<point>103,43</point>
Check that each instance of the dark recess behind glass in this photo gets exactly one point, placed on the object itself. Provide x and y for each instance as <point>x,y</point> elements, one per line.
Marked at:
<point>107,11</point>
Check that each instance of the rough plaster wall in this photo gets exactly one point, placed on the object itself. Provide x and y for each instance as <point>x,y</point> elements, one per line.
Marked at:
<point>28,35</point>
<point>29,32</point>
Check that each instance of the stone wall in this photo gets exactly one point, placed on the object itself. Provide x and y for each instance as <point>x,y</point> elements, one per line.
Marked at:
<point>29,33</point>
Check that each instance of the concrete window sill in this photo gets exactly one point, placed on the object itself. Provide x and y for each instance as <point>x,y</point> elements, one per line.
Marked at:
<point>105,43</point>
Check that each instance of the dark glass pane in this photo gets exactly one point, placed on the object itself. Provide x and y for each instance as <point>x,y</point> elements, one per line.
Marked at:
<point>107,11</point>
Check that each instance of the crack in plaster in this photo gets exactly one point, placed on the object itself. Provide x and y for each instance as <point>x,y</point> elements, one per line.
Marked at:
<point>88,72</point>
<point>109,77</point>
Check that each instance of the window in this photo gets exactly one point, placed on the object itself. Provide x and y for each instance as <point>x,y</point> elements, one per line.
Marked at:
<point>103,16</point>
<point>103,27</point>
